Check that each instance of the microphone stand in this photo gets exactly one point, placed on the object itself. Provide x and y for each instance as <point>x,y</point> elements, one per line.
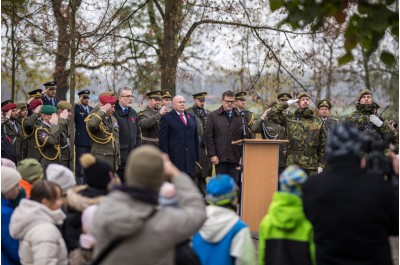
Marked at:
<point>240,178</point>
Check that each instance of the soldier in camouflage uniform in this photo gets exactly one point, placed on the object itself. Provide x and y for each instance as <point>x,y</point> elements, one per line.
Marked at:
<point>204,168</point>
<point>324,109</point>
<point>272,131</point>
<point>103,129</point>
<point>240,102</point>
<point>305,132</point>
<point>366,120</point>
<point>65,147</point>
<point>12,128</point>
<point>29,126</point>
<point>149,119</point>
<point>47,135</point>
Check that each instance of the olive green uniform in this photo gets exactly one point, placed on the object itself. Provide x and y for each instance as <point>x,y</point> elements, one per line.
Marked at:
<point>13,130</point>
<point>65,147</point>
<point>205,163</point>
<point>306,134</point>
<point>249,120</point>
<point>29,126</point>
<point>104,133</point>
<point>149,122</point>
<point>47,139</point>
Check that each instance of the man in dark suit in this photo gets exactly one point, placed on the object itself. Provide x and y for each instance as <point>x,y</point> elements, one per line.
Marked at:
<point>49,94</point>
<point>82,139</point>
<point>178,136</point>
<point>129,129</point>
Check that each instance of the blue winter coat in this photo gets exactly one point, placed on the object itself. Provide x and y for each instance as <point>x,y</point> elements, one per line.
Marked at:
<point>9,246</point>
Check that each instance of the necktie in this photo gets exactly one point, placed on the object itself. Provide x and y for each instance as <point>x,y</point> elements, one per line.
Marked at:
<point>126,111</point>
<point>182,118</point>
<point>16,127</point>
<point>52,102</point>
<point>87,110</point>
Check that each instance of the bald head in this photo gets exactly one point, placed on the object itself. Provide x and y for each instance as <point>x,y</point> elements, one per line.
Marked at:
<point>179,103</point>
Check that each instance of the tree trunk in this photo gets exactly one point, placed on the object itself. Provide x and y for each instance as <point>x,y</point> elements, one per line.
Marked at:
<point>63,50</point>
<point>71,124</point>
<point>366,69</point>
<point>169,56</point>
<point>14,57</point>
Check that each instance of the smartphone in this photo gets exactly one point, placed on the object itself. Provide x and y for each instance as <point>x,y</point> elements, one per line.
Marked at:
<point>169,106</point>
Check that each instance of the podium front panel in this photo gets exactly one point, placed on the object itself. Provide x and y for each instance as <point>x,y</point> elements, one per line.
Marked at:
<point>260,179</point>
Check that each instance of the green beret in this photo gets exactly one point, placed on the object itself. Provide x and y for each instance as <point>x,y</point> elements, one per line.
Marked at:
<point>302,95</point>
<point>64,105</point>
<point>48,110</point>
<point>363,93</point>
<point>324,103</point>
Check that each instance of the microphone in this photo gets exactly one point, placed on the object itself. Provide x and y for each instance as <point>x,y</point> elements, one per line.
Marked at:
<point>243,123</point>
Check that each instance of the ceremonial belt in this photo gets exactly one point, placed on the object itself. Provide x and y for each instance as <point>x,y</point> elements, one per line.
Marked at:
<point>150,139</point>
<point>306,152</point>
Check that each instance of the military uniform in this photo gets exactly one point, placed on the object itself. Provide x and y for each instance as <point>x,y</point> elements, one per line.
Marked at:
<point>47,140</point>
<point>104,133</point>
<point>83,142</point>
<point>65,155</point>
<point>149,121</point>
<point>328,121</point>
<point>29,126</point>
<point>201,115</point>
<point>361,118</point>
<point>50,101</point>
<point>14,132</point>
<point>306,134</point>
<point>248,115</point>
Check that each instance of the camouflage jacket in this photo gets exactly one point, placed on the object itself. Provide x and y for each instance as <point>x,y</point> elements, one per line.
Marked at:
<point>361,119</point>
<point>306,134</point>
<point>149,122</point>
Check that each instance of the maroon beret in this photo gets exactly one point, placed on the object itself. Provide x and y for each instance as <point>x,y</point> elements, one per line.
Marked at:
<point>8,106</point>
<point>104,99</point>
<point>35,103</point>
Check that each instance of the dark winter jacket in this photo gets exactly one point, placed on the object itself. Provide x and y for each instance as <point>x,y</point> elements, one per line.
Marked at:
<point>352,213</point>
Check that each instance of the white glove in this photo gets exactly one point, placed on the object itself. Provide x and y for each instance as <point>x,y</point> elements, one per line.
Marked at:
<point>291,101</point>
<point>320,169</point>
<point>375,120</point>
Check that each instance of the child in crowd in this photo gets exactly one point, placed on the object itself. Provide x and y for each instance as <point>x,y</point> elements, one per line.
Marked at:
<point>22,194</point>
<point>99,177</point>
<point>34,224</point>
<point>83,255</point>
<point>286,236</point>
<point>31,171</point>
<point>61,175</point>
<point>167,196</point>
<point>224,238</point>
<point>10,178</point>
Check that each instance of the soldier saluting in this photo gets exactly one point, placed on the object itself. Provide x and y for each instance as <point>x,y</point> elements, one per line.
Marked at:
<point>47,135</point>
<point>103,129</point>
<point>149,119</point>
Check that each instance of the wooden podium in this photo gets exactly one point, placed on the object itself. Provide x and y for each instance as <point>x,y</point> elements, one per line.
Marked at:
<point>259,178</point>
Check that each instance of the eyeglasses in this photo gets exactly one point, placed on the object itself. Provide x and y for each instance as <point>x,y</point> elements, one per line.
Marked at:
<point>229,101</point>
<point>127,96</point>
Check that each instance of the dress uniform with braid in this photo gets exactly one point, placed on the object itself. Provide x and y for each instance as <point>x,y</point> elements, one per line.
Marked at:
<point>104,132</point>
<point>29,126</point>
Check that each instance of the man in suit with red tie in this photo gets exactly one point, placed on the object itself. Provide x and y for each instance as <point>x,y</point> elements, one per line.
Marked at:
<point>178,136</point>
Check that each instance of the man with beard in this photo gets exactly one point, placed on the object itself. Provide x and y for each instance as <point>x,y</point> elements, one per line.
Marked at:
<point>366,120</point>
<point>204,167</point>
<point>129,130</point>
<point>305,132</point>
<point>49,94</point>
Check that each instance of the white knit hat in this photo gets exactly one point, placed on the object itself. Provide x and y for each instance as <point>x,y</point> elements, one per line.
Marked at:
<point>61,175</point>
<point>8,163</point>
<point>9,178</point>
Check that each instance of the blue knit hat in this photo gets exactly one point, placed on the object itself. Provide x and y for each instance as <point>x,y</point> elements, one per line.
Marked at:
<point>291,179</point>
<point>221,190</point>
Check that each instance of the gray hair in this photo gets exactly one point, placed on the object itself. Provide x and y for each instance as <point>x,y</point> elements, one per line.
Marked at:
<point>125,88</point>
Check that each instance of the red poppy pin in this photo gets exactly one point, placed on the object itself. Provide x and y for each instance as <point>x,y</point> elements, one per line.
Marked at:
<point>187,116</point>
<point>132,119</point>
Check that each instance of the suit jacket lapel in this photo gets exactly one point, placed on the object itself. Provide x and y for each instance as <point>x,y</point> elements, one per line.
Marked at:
<point>176,116</point>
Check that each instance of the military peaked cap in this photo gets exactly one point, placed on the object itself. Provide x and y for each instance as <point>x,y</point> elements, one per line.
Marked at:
<point>166,94</point>
<point>240,95</point>
<point>84,92</point>
<point>284,96</point>
<point>302,95</point>
<point>154,94</point>
<point>50,84</point>
<point>21,106</point>
<point>36,93</point>
<point>324,103</point>
<point>200,96</point>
